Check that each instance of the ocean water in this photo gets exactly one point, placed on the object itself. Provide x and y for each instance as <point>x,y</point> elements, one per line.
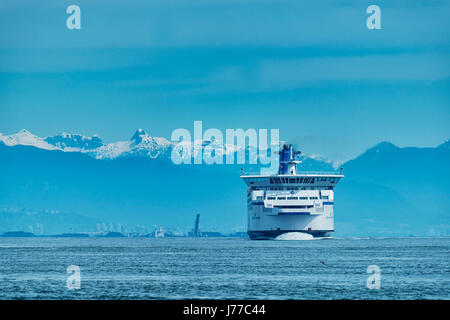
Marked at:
<point>224,268</point>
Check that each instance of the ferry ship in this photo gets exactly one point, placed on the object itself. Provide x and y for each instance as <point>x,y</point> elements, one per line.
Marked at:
<point>290,201</point>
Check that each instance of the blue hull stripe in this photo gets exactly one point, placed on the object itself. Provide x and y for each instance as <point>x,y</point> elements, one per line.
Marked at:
<point>293,213</point>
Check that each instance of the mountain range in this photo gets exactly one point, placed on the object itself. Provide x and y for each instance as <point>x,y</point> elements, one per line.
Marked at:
<point>84,182</point>
<point>140,144</point>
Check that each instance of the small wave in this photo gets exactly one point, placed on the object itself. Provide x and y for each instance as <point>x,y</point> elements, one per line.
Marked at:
<point>295,236</point>
<point>358,238</point>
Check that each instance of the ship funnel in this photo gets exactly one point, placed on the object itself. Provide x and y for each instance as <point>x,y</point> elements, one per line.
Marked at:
<point>288,162</point>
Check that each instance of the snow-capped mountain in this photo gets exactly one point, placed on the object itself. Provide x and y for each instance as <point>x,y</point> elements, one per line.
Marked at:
<point>142,145</point>
<point>76,142</point>
<point>25,138</point>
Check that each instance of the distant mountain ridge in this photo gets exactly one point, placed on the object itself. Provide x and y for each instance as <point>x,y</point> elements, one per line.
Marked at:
<point>387,190</point>
<point>25,138</point>
<point>421,175</point>
<point>141,144</point>
<point>445,145</point>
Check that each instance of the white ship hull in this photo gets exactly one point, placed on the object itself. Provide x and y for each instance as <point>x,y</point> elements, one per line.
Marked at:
<point>273,234</point>
<point>274,212</point>
<point>290,201</point>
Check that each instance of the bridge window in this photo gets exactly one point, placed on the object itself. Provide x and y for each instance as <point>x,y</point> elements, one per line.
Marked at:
<point>313,198</point>
<point>281,198</point>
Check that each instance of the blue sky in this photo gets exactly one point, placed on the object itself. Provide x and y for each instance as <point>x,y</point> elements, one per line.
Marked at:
<point>310,68</point>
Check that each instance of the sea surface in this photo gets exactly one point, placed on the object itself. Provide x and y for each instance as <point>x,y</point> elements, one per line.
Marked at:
<point>224,268</point>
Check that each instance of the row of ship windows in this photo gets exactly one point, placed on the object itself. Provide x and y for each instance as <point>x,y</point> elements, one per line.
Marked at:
<point>287,188</point>
<point>304,180</point>
<point>291,188</point>
<point>297,198</point>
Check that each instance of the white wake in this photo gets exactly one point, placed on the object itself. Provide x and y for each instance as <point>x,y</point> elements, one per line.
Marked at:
<point>294,236</point>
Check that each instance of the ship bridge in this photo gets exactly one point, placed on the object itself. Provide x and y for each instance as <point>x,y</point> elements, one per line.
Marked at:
<point>288,174</point>
<point>307,179</point>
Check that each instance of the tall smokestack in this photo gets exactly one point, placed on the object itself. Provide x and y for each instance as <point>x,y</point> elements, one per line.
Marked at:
<point>197,226</point>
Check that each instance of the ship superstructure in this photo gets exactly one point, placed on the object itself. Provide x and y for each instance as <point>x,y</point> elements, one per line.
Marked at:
<point>290,201</point>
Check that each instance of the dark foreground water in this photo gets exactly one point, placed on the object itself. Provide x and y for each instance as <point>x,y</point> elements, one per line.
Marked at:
<point>225,268</point>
